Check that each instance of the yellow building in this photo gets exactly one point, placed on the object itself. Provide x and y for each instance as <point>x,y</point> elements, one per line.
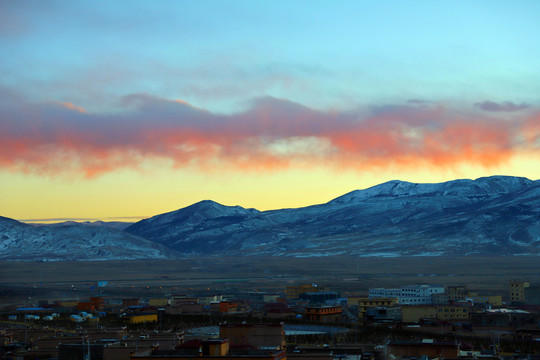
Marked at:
<point>158,302</point>
<point>517,291</point>
<point>293,292</point>
<point>140,318</point>
<point>450,312</point>
<point>364,303</point>
<point>413,314</point>
<point>495,300</point>
<point>457,293</point>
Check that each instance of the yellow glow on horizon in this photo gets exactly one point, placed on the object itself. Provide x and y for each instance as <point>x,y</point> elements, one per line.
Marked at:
<point>158,189</point>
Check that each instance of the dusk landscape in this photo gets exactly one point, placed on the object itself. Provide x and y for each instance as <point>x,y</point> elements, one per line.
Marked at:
<point>368,168</point>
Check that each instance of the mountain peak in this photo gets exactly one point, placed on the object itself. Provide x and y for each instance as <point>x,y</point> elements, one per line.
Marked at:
<point>503,184</point>
<point>389,188</point>
<point>491,185</point>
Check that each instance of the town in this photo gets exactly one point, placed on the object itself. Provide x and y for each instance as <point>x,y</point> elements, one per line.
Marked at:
<point>297,321</point>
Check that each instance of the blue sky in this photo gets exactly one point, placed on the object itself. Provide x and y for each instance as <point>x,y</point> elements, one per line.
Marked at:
<point>219,55</point>
<point>306,99</point>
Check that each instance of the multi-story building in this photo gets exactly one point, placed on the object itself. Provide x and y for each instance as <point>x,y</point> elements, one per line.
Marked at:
<point>294,291</point>
<point>517,291</point>
<point>323,313</point>
<point>457,293</point>
<point>413,314</point>
<point>440,299</point>
<point>451,312</point>
<point>383,313</point>
<point>494,300</point>
<point>365,303</point>
<point>410,314</point>
<point>410,294</point>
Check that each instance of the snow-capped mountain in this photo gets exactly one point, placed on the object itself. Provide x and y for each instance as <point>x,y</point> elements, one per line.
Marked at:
<point>206,219</point>
<point>118,225</point>
<point>497,215</point>
<point>494,215</point>
<point>73,241</point>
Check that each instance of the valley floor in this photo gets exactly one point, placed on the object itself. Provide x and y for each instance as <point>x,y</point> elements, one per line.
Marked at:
<point>344,274</point>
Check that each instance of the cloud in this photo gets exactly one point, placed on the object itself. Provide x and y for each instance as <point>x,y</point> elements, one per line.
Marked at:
<point>72,107</point>
<point>506,106</point>
<point>418,101</point>
<point>271,135</point>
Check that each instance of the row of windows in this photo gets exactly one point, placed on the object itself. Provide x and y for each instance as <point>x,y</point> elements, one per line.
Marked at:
<point>453,310</point>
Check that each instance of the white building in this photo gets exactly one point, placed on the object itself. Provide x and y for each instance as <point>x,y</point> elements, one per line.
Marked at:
<point>410,294</point>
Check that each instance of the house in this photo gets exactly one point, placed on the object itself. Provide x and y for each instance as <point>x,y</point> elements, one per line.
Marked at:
<point>324,313</point>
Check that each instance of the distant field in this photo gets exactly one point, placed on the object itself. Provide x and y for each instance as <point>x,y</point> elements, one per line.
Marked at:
<point>345,274</point>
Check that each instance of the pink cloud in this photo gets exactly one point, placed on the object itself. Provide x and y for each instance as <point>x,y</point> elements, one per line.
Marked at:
<point>273,134</point>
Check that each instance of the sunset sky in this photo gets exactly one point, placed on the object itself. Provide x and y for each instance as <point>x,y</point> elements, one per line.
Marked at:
<point>127,109</point>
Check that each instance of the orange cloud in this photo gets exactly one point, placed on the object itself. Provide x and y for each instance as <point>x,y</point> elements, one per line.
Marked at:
<point>274,134</point>
<point>72,107</point>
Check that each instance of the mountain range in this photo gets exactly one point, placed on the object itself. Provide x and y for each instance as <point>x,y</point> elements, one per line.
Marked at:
<point>498,215</point>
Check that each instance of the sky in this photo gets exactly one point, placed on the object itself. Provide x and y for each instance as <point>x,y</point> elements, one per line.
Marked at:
<point>127,109</point>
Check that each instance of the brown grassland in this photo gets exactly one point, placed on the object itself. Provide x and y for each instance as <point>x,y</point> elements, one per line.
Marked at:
<point>341,273</point>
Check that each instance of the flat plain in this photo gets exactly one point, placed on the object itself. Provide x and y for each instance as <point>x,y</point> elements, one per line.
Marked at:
<point>345,274</point>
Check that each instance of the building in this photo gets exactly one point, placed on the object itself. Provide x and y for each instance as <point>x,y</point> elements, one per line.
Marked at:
<point>212,350</point>
<point>182,299</point>
<point>294,292</point>
<point>517,291</point>
<point>320,297</point>
<point>142,317</point>
<point>426,347</point>
<point>410,294</point>
<point>505,318</point>
<point>130,302</point>
<point>254,335</point>
<point>494,300</point>
<point>452,312</point>
<point>278,310</point>
<point>364,303</point>
<point>457,293</point>
<point>190,309</point>
<point>440,299</point>
<point>414,314</point>
<point>257,298</point>
<point>383,313</point>
<point>158,302</point>
<point>324,313</point>
<point>223,307</point>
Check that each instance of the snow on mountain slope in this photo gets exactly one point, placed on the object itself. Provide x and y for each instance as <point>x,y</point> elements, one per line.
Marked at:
<point>490,186</point>
<point>205,217</point>
<point>74,241</point>
<point>495,215</point>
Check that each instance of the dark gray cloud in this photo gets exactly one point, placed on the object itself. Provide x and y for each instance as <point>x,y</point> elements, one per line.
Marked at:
<point>506,106</point>
<point>418,101</point>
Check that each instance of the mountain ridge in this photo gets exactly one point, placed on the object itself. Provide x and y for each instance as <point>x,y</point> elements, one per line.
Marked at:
<point>388,218</point>
<point>498,215</point>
